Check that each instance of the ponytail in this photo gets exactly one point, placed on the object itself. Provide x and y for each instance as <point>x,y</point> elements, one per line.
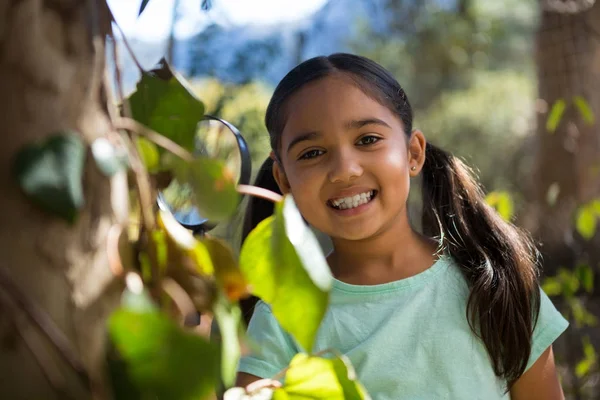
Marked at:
<point>257,210</point>
<point>498,260</point>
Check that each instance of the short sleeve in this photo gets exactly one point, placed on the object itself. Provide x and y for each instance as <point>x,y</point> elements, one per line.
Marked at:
<point>272,348</point>
<point>550,325</point>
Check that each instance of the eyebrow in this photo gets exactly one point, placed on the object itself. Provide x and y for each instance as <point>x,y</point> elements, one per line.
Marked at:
<point>303,137</point>
<point>359,123</point>
<point>354,124</point>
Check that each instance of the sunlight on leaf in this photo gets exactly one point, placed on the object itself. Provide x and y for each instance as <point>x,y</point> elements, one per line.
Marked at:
<point>50,173</point>
<point>586,222</point>
<point>585,275</point>
<point>229,317</point>
<point>161,360</point>
<point>503,203</point>
<point>589,360</point>
<point>227,270</point>
<point>108,160</point>
<point>184,240</point>
<point>148,153</point>
<point>584,109</point>
<point>284,264</point>
<point>320,378</point>
<point>163,102</point>
<point>551,286</point>
<point>555,116</point>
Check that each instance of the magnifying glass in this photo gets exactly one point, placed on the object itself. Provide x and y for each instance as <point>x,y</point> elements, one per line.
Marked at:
<point>215,138</point>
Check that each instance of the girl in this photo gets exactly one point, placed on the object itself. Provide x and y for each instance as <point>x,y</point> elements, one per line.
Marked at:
<point>453,313</point>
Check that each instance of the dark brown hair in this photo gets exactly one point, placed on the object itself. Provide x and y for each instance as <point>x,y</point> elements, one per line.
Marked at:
<point>498,260</point>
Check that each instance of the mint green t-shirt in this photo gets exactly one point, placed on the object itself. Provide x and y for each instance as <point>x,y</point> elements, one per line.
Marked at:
<point>407,340</point>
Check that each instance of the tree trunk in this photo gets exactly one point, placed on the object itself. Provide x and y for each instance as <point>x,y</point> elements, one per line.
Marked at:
<point>51,79</point>
<point>567,161</point>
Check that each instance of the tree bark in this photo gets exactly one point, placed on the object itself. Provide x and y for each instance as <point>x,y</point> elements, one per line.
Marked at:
<point>51,79</point>
<point>568,160</point>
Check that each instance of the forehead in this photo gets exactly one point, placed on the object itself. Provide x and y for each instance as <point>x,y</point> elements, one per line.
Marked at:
<point>332,102</point>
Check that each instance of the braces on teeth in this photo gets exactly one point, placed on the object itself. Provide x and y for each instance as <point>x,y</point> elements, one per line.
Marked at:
<point>352,201</point>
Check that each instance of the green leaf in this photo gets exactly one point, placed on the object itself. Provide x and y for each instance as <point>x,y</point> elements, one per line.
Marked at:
<point>164,103</point>
<point>581,315</point>
<point>586,222</point>
<point>185,241</point>
<point>588,349</point>
<point>585,275</point>
<point>160,359</point>
<point>50,174</point>
<point>556,114</point>
<point>148,153</point>
<point>108,160</point>
<point>583,368</point>
<point>595,205</point>
<point>502,202</point>
<point>215,193</point>
<point>143,6</point>
<point>228,317</point>
<point>590,358</point>
<point>320,378</point>
<point>584,109</point>
<point>227,271</point>
<point>284,265</point>
<point>552,287</point>
<point>570,282</point>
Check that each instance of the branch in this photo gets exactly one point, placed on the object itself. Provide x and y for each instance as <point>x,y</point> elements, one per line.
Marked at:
<point>162,141</point>
<point>129,49</point>
<point>260,192</point>
<point>47,326</point>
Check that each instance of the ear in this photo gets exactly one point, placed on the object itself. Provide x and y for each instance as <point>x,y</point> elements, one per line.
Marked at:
<point>416,152</point>
<point>280,178</point>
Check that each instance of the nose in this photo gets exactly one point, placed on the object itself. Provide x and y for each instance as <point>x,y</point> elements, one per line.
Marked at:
<point>344,166</point>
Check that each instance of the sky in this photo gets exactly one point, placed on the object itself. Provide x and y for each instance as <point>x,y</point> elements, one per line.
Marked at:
<point>155,22</point>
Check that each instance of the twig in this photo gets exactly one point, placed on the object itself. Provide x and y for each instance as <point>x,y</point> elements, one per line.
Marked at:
<point>40,354</point>
<point>112,250</point>
<point>163,141</point>
<point>129,49</point>
<point>260,192</point>
<point>179,295</point>
<point>47,326</point>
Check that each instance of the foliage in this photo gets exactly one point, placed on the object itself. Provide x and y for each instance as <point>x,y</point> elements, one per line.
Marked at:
<point>51,173</point>
<point>495,113</point>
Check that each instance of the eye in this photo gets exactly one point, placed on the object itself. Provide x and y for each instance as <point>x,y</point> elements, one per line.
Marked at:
<point>310,154</point>
<point>367,140</point>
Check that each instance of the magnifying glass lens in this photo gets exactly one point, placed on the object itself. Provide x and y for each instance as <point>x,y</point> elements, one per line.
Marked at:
<point>214,139</point>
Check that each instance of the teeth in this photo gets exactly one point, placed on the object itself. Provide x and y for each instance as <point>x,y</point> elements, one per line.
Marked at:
<point>352,201</point>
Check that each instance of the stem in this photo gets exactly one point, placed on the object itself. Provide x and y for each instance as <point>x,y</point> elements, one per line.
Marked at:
<point>260,192</point>
<point>163,141</point>
<point>181,298</point>
<point>129,49</point>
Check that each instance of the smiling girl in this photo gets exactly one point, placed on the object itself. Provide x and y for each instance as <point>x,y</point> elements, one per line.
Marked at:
<point>454,312</point>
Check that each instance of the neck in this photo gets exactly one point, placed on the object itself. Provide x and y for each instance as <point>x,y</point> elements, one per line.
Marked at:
<point>396,252</point>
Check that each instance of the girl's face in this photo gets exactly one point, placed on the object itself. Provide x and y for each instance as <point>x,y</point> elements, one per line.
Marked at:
<point>346,159</point>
